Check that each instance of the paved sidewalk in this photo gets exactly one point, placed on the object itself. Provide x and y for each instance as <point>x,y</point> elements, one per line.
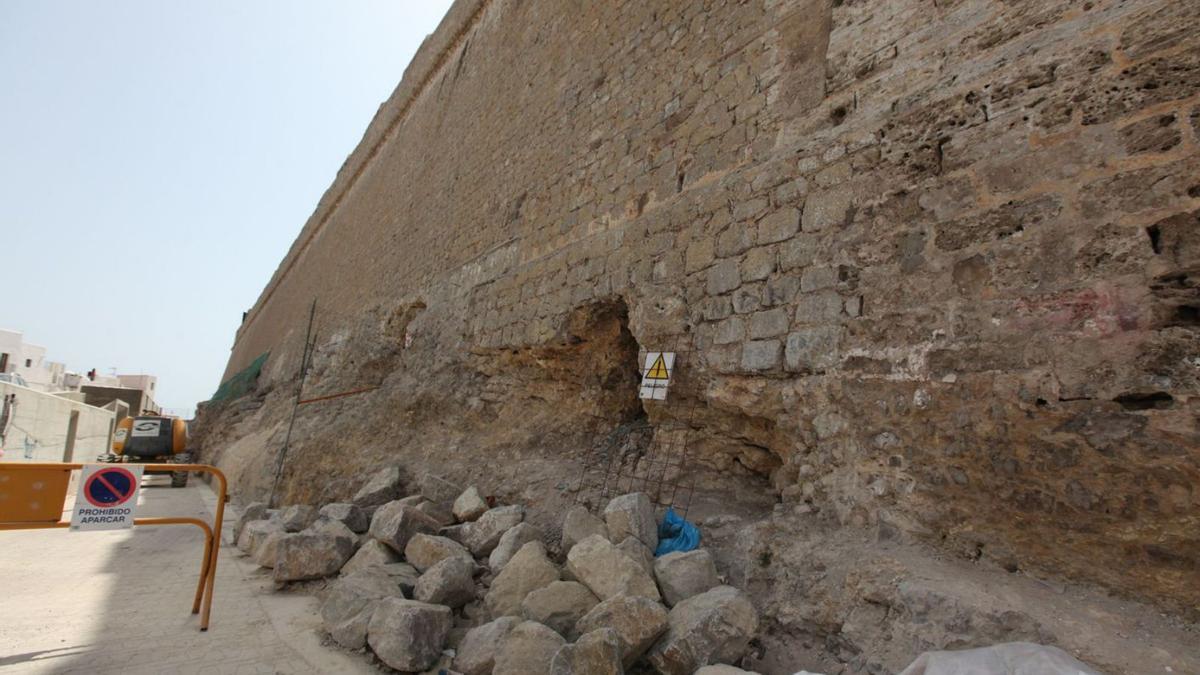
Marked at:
<point>120,602</point>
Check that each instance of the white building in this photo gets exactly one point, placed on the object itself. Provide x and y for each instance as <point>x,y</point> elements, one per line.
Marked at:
<point>28,361</point>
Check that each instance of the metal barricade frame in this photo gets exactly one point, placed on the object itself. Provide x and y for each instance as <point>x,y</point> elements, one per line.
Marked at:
<point>202,602</point>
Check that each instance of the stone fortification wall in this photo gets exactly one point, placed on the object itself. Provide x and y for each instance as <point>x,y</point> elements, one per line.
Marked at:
<point>933,263</point>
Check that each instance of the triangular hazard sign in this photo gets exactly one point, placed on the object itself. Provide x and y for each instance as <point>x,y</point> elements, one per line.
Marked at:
<point>658,371</point>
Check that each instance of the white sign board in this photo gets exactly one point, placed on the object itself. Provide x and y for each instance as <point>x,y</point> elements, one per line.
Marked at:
<point>146,427</point>
<point>107,498</point>
<point>656,375</point>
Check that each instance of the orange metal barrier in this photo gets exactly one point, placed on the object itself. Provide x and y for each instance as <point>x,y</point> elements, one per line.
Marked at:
<point>32,497</point>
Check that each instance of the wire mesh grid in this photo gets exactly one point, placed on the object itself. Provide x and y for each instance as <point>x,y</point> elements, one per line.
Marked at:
<point>648,456</point>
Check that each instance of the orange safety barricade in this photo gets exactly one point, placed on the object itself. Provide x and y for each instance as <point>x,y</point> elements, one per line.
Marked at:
<point>32,497</point>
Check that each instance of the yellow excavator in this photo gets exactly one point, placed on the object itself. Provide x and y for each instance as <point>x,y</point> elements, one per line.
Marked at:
<point>152,439</point>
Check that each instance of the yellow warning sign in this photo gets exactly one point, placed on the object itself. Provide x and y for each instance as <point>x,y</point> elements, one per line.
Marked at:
<point>658,371</point>
<point>656,375</point>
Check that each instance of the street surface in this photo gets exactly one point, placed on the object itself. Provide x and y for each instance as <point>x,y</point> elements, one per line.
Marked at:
<point>120,601</point>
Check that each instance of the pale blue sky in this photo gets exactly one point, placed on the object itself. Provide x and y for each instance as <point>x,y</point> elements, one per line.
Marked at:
<point>157,158</point>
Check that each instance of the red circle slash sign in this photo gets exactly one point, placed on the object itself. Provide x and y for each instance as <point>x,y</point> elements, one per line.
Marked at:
<point>110,487</point>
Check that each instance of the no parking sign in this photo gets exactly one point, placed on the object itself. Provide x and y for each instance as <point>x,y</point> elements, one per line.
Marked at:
<point>107,498</point>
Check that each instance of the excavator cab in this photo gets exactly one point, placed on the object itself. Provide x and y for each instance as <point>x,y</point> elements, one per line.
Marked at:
<point>152,439</point>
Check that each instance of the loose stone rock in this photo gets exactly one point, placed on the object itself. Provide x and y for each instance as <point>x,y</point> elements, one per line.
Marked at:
<point>254,533</point>
<point>450,582</point>
<point>638,621</point>
<point>297,517</point>
<point>635,549</point>
<point>713,627</point>
<point>722,669</point>
<point>351,601</point>
<point>406,575</point>
<point>438,511</point>
<point>596,653</point>
<point>347,514</point>
<point>608,571</point>
<point>510,543</point>
<point>579,525</point>
<point>408,635</point>
<point>382,488</point>
<point>632,515</point>
<point>253,511</point>
<point>438,489</point>
<point>684,574</point>
<point>484,534</point>
<point>469,505</point>
<point>371,554</point>
<point>426,550</point>
<point>559,606</point>
<point>527,649</point>
<point>311,555</point>
<point>268,548</point>
<point>476,653</point>
<point>528,571</point>
<point>394,524</point>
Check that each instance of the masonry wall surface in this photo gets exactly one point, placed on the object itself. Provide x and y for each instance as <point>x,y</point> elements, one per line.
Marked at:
<point>934,264</point>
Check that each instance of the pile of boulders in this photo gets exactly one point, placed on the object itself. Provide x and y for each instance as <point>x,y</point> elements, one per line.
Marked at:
<point>443,581</point>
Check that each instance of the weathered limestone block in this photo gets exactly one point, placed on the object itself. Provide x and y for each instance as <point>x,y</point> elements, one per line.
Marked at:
<point>476,654</point>
<point>406,575</point>
<point>559,605</point>
<point>311,555</point>
<point>438,511</point>
<point>408,635</point>
<point>638,621</point>
<point>297,517</point>
<point>347,514</point>
<point>438,489</point>
<point>382,488</point>
<point>510,543</point>
<point>608,571</point>
<point>351,601</point>
<point>469,505</point>
<point>684,574</point>
<point>268,548</point>
<point>450,582</point>
<point>636,550</point>
<point>580,524</point>
<point>394,524</point>
<point>254,533</point>
<point>632,515</point>
<point>371,554</point>
<point>527,649</point>
<point>484,534</point>
<point>528,571</point>
<point>426,550</point>
<point>252,512</point>
<point>713,627</point>
<point>597,653</point>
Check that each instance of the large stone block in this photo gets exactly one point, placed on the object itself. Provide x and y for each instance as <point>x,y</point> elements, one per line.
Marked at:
<point>527,649</point>
<point>426,550</point>
<point>580,524</point>
<point>713,627</point>
<point>347,514</point>
<point>638,621</point>
<point>383,487</point>
<point>252,512</point>
<point>469,505</point>
<point>409,635</point>
<point>476,654</point>
<point>597,653</point>
<point>297,517</point>
<point>683,574</point>
<point>311,555</point>
<point>632,515</point>
<point>607,571</point>
<point>450,582</point>
<point>395,523</point>
<point>484,534</point>
<point>372,553</point>
<point>510,543</point>
<point>526,572</point>
<point>559,605</point>
<point>350,602</point>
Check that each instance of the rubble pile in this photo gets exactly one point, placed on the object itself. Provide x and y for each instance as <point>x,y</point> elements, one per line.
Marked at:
<point>443,581</point>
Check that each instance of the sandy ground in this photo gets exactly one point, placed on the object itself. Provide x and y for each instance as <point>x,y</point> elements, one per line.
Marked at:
<point>120,602</point>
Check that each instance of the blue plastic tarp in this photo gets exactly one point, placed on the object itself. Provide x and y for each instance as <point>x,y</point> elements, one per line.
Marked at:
<point>676,534</point>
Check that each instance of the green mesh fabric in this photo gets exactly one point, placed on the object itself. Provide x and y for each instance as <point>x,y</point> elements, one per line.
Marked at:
<point>242,381</point>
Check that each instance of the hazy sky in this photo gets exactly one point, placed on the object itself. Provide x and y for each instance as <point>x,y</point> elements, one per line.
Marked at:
<point>157,158</point>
